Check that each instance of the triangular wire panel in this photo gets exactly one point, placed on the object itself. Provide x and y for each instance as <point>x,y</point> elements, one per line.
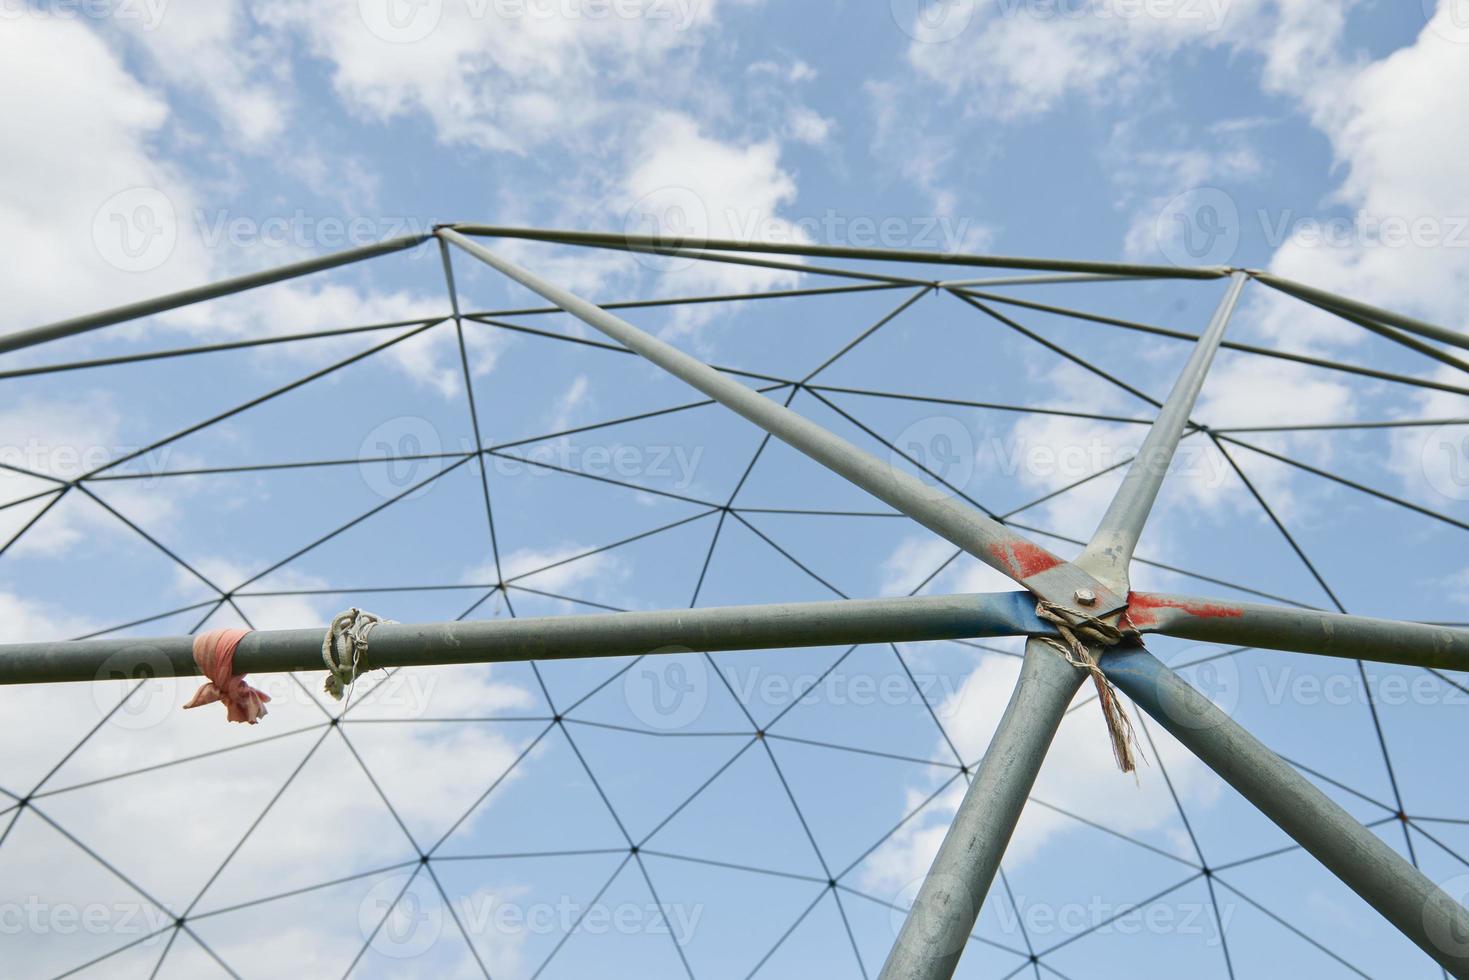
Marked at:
<point>1335,525</point>
<point>817,944</point>
<point>518,910</point>
<point>1006,460</point>
<point>869,702</point>
<point>671,694</point>
<point>1298,889</point>
<point>128,577</point>
<point>626,933</point>
<point>1175,934</point>
<point>293,846</point>
<point>698,452</point>
<point>786,338</point>
<point>727,917</point>
<point>418,929</point>
<point>285,510</point>
<point>447,522</point>
<point>1423,719</point>
<point>333,407</point>
<point>202,808</point>
<point>1108,876</point>
<point>850,800</point>
<point>550,782</point>
<point>187,959</point>
<point>743,817</point>
<point>429,798</point>
<point>861,568</point>
<point>551,541</point>
<point>135,962</point>
<point>976,357</point>
<point>1260,943</point>
<point>51,875</point>
<point>670,769</point>
<point>317,931</point>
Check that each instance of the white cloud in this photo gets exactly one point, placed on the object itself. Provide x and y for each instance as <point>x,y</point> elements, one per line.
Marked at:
<point>59,201</point>
<point>593,574</point>
<point>499,76</point>
<point>1018,58</point>
<point>208,46</point>
<point>1385,120</point>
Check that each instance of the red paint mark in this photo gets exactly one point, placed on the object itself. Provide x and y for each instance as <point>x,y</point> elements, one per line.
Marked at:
<point>1023,559</point>
<point>1141,606</point>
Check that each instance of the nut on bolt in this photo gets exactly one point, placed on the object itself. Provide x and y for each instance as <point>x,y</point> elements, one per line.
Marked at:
<point>1086,597</point>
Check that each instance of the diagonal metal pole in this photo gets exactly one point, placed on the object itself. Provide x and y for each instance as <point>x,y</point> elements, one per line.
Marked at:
<point>225,287</point>
<point>1388,318</point>
<point>1401,893</point>
<point>949,901</point>
<point>986,539</point>
<point>1109,553</point>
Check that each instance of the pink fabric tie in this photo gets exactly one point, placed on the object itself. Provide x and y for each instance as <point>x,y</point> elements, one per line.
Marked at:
<point>214,652</point>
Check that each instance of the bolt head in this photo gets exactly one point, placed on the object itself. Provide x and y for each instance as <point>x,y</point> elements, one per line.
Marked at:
<point>1086,597</point>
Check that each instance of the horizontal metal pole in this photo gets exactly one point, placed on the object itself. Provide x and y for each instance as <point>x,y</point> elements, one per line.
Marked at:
<point>1041,280</point>
<point>905,619</point>
<point>1301,630</point>
<point>1398,891</point>
<point>982,536</point>
<point>657,242</point>
<point>1326,298</point>
<point>214,290</point>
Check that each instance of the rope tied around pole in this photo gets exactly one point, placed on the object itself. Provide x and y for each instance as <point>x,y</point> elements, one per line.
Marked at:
<point>344,650</point>
<point>1074,629</point>
<point>214,652</point>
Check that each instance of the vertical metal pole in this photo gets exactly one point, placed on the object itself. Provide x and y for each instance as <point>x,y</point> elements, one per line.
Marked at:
<point>1398,891</point>
<point>943,915</point>
<point>1109,553</point>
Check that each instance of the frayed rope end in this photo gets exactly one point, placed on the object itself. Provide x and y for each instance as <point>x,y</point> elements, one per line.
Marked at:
<point>1077,653</point>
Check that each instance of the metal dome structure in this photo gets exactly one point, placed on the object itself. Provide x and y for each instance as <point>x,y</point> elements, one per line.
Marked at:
<point>1087,635</point>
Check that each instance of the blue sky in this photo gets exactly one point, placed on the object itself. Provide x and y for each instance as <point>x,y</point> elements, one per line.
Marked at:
<point>158,145</point>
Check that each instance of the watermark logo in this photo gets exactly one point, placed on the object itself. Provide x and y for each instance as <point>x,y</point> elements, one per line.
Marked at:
<point>396,455</point>
<point>932,21</point>
<point>949,899</point>
<point>400,21</point>
<point>1449,19</point>
<point>673,216</point>
<point>1443,917</point>
<point>665,691</point>
<point>1210,692</point>
<point>401,922</point>
<point>1199,227</point>
<point>943,449</point>
<point>158,691</point>
<point>147,14</point>
<point>1444,459</point>
<point>136,230</point>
